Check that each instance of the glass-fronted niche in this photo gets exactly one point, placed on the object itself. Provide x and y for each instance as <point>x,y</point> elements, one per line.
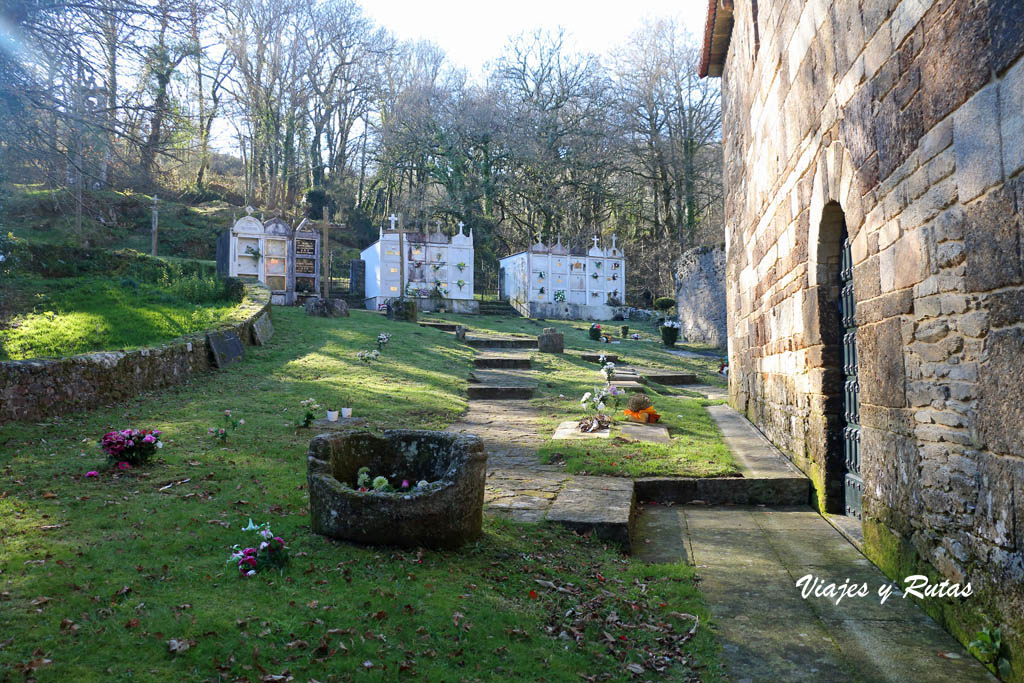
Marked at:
<point>287,260</point>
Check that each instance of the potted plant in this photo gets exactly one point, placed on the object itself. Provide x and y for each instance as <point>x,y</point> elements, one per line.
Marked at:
<point>332,414</point>
<point>253,252</point>
<point>346,412</point>
<point>670,332</point>
<point>595,332</point>
<point>624,331</point>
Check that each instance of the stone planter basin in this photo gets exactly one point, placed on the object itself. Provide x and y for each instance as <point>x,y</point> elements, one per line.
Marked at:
<point>444,514</point>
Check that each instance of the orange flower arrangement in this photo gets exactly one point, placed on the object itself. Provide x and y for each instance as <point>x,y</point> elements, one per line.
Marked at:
<point>647,415</point>
<point>639,409</point>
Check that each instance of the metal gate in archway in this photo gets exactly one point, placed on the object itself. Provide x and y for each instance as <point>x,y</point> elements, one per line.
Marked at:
<point>853,484</point>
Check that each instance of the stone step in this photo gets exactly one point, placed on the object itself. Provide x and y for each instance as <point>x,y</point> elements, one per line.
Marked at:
<point>502,342</point>
<point>496,392</point>
<point>444,327</point>
<point>596,357</point>
<point>604,506</point>
<point>771,491</point>
<point>670,378</point>
<point>509,362</point>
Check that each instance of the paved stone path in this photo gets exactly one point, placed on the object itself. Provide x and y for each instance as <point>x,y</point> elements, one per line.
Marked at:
<point>749,560</point>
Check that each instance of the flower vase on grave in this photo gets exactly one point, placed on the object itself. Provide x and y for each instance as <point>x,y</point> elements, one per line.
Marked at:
<point>346,412</point>
<point>332,415</point>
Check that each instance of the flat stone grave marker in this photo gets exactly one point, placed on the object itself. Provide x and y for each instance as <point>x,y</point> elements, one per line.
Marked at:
<point>340,423</point>
<point>227,348</point>
<point>596,357</point>
<point>263,329</point>
<point>571,430</point>
<point>626,385</point>
<point>641,432</point>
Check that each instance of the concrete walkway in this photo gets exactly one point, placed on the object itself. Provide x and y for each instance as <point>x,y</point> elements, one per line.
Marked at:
<point>749,560</point>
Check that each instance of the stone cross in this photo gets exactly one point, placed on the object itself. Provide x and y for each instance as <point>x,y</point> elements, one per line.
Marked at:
<point>595,241</point>
<point>393,218</point>
<point>613,241</point>
<point>461,226</point>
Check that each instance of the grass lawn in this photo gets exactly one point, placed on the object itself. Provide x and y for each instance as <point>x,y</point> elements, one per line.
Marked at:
<point>696,450</point>
<point>98,574</point>
<point>43,317</point>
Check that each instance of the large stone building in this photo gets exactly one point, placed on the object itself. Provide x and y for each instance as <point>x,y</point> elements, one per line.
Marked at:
<point>873,156</point>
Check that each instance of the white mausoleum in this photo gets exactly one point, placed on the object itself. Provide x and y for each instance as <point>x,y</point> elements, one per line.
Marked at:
<point>562,283</point>
<point>433,267</point>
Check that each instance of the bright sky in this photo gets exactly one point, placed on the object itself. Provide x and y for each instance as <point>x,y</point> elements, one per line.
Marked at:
<point>473,32</point>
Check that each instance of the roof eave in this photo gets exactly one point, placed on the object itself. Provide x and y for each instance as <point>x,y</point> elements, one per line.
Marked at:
<point>717,32</point>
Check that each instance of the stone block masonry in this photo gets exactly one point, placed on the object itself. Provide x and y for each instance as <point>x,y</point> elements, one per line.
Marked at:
<point>897,124</point>
<point>42,388</point>
<point>700,295</point>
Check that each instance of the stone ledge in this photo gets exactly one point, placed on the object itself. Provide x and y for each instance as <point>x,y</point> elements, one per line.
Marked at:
<point>726,490</point>
<point>604,506</point>
<point>38,388</point>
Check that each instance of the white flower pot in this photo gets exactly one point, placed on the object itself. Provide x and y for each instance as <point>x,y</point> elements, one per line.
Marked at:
<point>346,412</point>
<point>332,415</point>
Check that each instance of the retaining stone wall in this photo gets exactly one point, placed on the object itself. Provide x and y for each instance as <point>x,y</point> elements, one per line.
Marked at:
<point>41,388</point>
<point>700,295</point>
<point>908,117</point>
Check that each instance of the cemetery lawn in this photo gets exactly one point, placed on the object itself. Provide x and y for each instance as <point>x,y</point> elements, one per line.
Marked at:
<point>697,449</point>
<point>98,574</point>
<point>43,317</point>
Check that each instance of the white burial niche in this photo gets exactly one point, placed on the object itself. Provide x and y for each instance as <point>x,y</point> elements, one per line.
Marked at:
<point>285,259</point>
<point>565,283</point>
<point>432,267</point>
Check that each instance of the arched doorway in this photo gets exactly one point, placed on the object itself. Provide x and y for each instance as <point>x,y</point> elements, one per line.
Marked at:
<point>840,386</point>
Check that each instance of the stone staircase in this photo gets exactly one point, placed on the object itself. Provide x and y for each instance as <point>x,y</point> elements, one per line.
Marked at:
<point>498,308</point>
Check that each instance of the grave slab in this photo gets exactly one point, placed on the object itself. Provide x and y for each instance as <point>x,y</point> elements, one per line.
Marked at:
<point>605,506</point>
<point>444,327</point>
<point>641,432</point>
<point>570,430</point>
<point>502,361</point>
<point>340,424</point>
<point>263,329</point>
<point>596,357</point>
<point>502,342</point>
<point>627,385</point>
<point>670,378</point>
<point>226,347</point>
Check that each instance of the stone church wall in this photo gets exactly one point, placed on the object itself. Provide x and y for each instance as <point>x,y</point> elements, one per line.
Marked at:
<point>906,121</point>
<point>700,295</point>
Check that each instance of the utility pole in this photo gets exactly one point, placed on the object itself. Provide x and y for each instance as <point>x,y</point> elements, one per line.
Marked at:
<point>155,221</point>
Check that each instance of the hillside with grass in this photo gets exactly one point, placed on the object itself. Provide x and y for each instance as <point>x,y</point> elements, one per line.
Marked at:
<point>62,300</point>
<point>127,570</point>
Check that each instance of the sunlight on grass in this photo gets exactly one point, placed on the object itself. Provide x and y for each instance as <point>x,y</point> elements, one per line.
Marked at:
<point>82,314</point>
<point>135,563</point>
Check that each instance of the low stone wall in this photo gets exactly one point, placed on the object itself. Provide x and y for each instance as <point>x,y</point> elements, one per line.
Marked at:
<point>700,295</point>
<point>39,388</point>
